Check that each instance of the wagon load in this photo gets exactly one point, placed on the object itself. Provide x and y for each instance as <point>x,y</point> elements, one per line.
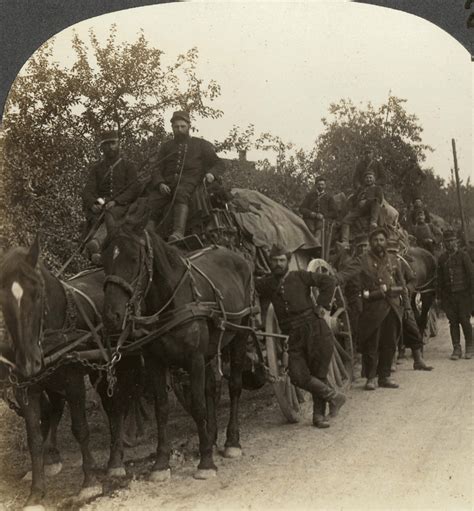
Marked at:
<point>268,222</point>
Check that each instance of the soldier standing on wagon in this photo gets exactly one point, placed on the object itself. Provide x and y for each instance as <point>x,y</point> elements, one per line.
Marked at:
<point>311,342</point>
<point>456,293</point>
<point>183,163</point>
<point>112,184</point>
<point>317,206</point>
<point>381,286</point>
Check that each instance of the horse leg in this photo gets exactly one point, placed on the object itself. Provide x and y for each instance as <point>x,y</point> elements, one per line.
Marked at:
<point>52,457</point>
<point>161,469</point>
<point>76,398</point>
<point>211,403</point>
<point>30,403</point>
<point>233,448</point>
<point>206,467</point>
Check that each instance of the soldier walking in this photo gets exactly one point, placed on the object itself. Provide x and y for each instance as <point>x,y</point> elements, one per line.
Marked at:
<point>311,342</point>
<point>456,293</point>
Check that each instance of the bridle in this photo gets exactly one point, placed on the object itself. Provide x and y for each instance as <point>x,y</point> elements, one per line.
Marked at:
<point>138,288</point>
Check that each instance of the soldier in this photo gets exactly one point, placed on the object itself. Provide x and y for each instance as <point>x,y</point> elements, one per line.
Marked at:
<point>318,206</point>
<point>183,163</point>
<point>112,184</point>
<point>411,337</point>
<point>311,342</point>
<point>368,162</point>
<point>456,293</point>
<point>418,205</point>
<point>381,285</point>
<point>366,203</point>
<point>427,235</point>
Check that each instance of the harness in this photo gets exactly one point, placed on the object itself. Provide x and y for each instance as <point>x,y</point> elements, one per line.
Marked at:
<point>165,320</point>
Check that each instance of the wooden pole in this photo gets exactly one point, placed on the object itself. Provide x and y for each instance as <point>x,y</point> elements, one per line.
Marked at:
<point>458,189</point>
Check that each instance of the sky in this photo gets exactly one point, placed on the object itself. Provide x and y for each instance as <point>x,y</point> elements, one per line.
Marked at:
<point>281,64</point>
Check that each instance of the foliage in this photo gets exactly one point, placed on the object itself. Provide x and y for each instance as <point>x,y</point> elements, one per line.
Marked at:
<point>54,115</point>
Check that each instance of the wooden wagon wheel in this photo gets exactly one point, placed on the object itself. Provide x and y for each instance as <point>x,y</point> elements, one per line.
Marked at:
<point>288,396</point>
<point>341,368</point>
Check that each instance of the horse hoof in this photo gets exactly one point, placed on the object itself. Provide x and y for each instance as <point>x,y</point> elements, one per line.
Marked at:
<point>232,452</point>
<point>89,492</point>
<point>205,474</point>
<point>116,472</point>
<point>34,507</point>
<point>159,476</point>
<point>53,469</point>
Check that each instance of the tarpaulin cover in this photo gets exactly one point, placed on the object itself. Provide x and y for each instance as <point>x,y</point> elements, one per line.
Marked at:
<point>269,222</point>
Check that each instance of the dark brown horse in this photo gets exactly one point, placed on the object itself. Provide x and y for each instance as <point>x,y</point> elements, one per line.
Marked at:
<point>140,265</point>
<point>34,302</point>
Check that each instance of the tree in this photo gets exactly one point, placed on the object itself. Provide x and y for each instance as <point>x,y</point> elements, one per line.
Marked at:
<point>54,115</point>
<point>390,131</point>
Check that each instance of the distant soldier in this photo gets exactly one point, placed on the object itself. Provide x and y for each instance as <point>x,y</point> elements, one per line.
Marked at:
<point>417,206</point>
<point>366,203</point>
<point>112,184</point>
<point>318,206</point>
<point>427,235</point>
<point>182,164</point>
<point>381,285</point>
<point>456,293</point>
<point>311,342</point>
<point>368,162</point>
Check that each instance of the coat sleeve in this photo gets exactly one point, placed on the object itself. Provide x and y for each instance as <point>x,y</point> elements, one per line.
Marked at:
<point>305,206</point>
<point>262,287</point>
<point>350,271</point>
<point>379,194</point>
<point>212,162</point>
<point>89,193</point>
<point>132,186</point>
<point>469,269</point>
<point>326,285</point>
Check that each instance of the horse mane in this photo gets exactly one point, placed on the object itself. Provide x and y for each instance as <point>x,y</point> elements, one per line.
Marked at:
<point>14,261</point>
<point>167,259</point>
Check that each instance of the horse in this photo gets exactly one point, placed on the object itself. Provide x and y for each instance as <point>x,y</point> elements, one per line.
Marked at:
<point>144,271</point>
<point>34,303</point>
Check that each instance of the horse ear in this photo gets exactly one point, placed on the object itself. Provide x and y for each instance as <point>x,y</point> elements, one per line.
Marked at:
<point>34,252</point>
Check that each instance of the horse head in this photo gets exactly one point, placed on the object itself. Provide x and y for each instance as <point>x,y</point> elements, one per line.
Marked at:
<point>22,298</point>
<point>126,257</point>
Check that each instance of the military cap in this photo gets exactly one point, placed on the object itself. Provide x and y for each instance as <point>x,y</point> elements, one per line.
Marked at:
<point>361,239</point>
<point>181,115</point>
<point>369,171</point>
<point>319,178</point>
<point>108,136</point>
<point>278,250</point>
<point>449,234</point>
<point>377,230</point>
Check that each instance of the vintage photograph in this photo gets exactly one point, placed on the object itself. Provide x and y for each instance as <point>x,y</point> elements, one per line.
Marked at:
<point>237,262</point>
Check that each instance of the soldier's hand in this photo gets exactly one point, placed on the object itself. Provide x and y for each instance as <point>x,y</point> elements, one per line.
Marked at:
<point>210,177</point>
<point>165,189</point>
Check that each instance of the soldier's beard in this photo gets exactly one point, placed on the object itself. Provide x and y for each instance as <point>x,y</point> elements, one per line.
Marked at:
<point>279,271</point>
<point>379,251</point>
<point>181,137</point>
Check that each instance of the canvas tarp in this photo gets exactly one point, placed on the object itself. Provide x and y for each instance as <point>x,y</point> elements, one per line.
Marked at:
<point>269,222</point>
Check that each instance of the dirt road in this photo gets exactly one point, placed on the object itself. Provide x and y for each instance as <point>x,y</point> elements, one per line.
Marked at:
<point>409,448</point>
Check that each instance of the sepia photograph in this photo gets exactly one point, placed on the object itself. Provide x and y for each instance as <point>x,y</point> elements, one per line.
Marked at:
<point>237,262</point>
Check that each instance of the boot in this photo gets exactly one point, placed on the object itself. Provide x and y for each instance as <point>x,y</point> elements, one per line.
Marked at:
<point>387,383</point>
<point>180,215</point>
<point>457,352</point>
<point>469,342</point>
<point>370,385</point>
<point>319,410</point>
<point>326,393</point>
<point>419,363</point>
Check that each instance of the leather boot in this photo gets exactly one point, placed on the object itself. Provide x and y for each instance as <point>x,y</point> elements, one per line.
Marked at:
<point>370,384</point>
<point>319,420</point>
<point>469,352</point>
<point>326,393</point>
<point>455,332</point>
<point>419,364</point>
<point>180,215</point>
<point>387,383</point>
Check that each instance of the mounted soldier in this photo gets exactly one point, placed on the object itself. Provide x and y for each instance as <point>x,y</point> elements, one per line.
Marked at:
<point>311,343</point>
<point>182,164</point>
<point>112,185</point>
<point>417,206</point>
<point>365,205</point>
<point>427,235</point>
<point>318,206</point>
<point>456,293</point>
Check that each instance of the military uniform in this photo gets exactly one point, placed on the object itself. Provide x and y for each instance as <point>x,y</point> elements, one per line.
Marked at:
<point>427,235</point>
<point>381,317</point>
<point>361,168</point>
<point>182,166</point>
<point>456,292</point>
<point>311,342</point>
<point>319,204</point>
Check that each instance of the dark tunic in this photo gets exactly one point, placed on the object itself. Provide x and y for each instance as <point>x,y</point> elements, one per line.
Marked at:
<point>315,202</point>
<point>118,182</point>
<point>199,158</point>
<point>363,165</point>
